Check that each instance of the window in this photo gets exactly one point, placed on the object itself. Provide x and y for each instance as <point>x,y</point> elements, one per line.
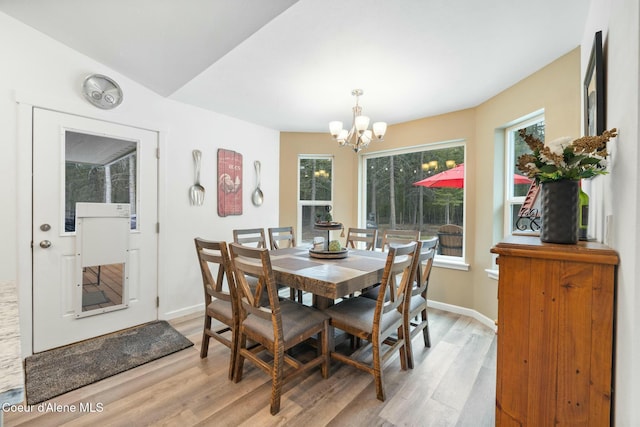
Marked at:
<point>516,185</point>
<point>99,169</point>
<point>393,200</point>
<point>315,193</point>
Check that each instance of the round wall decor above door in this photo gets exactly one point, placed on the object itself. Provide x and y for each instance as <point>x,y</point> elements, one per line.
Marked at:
<point>102,91</point>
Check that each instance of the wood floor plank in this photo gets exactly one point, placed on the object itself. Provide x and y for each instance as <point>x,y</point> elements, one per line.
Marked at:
<point>453,383</point>
<point>456,386</point>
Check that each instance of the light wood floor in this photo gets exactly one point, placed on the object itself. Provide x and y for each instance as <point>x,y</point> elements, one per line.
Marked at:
<point>452,384</point>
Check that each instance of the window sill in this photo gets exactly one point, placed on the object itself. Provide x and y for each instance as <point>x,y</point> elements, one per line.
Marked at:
<point>452,263</point>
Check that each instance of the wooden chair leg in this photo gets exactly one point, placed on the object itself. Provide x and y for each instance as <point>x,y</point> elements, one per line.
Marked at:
<point>425,331</point>
<point>239,362</point>
<point>234,349</point>
<point>377,372</point>
<point>408,345</point>
<point>204,348</point>
<point>403,347</point>
<point>276,381</point>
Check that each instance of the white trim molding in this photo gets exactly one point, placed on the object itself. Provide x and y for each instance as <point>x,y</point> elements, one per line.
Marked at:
<point>489,323</point>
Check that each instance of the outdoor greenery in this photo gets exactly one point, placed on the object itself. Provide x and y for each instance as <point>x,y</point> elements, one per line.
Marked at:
<point>315,179</point>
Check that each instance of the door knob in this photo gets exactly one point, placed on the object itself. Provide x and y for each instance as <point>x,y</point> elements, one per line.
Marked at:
<point>45,244</point>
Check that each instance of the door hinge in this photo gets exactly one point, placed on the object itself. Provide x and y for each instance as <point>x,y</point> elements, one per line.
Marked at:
<point>157,302</point>
<point>157,153</point>
<point>157,228</point>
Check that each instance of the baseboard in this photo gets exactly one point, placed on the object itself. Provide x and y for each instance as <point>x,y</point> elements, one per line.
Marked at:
<point>198,308</point>
<point>489,323</point>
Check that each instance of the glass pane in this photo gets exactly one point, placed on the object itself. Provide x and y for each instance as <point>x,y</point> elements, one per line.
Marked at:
<point>309,215</point>
<point>524,220</point>
<point>99,169</point>
<point>519,148</point>
<point>315,179</point>
<point>102,286</point>
<point>394,202</point>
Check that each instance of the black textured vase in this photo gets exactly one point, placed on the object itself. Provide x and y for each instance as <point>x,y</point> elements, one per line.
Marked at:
<point>559,205</point>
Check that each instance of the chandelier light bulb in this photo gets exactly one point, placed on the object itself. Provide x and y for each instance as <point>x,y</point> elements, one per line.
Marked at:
<point>366,137</point>
<point>379,129</point>
<point>335,128</point>
<point>362,123</point>
<point>343,135</point>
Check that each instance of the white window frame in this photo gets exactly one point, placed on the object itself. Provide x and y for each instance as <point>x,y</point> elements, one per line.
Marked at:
<point>452,262</point>
<point>510,170</point>
<point>303,203</point>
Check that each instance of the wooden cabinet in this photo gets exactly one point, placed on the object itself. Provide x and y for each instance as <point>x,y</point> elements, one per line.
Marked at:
<point>555,333</point>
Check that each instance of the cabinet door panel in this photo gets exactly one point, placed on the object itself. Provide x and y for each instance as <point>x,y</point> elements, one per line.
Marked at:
<point>513,320</point>
<point>543,341</point>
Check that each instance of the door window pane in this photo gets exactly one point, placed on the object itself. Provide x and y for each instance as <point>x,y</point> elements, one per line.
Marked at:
<point>99,169</point>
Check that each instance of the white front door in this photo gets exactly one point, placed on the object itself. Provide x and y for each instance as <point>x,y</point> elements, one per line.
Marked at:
<point>77,159</point>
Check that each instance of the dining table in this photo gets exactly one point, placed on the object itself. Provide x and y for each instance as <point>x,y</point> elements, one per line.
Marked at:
<point>327,278</point>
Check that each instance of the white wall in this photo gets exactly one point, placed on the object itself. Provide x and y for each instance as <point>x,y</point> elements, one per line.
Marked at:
<point>39,70</point>
<point>619,21</point>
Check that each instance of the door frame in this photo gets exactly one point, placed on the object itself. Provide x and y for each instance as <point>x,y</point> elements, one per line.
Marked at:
<point>25,103</point>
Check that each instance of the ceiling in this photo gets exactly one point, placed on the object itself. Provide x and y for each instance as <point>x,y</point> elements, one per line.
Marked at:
<point>291,65</point>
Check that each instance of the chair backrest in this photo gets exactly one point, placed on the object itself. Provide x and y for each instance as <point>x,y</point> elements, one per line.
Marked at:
<point>281,237</point>
<point>398,237</point>
<point>215,255</point>
<point>450,237</point>
<point>256,263</point>
<point>362,238</point>
<point>402,262</point>
<point>425,262</point>
<point>250,237</point>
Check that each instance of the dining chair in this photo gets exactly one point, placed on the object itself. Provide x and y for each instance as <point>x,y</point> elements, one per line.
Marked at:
<point>219,302</point>
<point>276,327</point>
<point>362,238</point>
<point>284,237</point>
<point>398,237</point>
<point>416,317</point>
<point>254,237</point>
<point>281,237</point>
<point>377,320</point>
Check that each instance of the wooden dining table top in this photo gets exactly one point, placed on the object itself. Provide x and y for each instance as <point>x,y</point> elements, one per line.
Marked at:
<point>327,278</point>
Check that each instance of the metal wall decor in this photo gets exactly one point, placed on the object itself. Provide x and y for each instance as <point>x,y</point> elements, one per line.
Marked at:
<point>102,91</point>
<point>529,214</point>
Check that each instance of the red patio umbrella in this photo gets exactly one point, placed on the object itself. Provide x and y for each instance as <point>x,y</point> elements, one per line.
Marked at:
<point>454,178</point>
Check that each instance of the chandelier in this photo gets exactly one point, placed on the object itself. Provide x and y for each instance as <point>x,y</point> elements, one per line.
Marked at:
<point>359,136</point>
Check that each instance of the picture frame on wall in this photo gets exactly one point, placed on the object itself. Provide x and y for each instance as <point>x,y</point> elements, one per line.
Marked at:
<point>594,117</point>
<point>229,182</point>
